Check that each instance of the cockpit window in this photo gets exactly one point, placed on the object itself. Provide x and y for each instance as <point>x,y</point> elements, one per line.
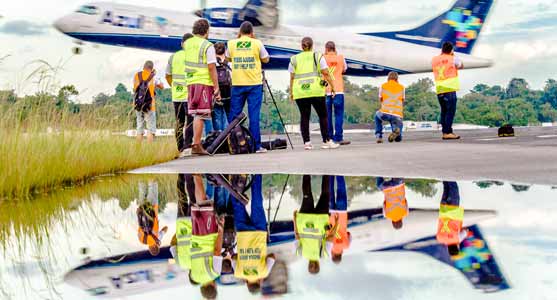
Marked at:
<point>88,10</point>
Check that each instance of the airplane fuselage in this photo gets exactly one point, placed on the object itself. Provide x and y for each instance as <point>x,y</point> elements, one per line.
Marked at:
<point>161,30</point>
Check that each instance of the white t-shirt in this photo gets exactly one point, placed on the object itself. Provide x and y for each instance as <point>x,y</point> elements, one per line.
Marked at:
<point>322,63</point>
<point>328,247</point>
<point>217,260</point>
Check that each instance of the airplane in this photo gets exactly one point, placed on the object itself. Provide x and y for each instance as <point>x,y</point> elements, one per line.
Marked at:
<point>367,54</point>
<point>139,272</point>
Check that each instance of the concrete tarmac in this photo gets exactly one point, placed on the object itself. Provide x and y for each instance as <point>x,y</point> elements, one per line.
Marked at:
<point>528,158</point>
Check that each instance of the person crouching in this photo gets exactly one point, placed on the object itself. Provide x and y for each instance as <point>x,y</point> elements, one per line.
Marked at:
<point>392,97</point>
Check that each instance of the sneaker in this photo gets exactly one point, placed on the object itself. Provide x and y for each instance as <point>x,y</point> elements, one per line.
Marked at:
<point>451,136</point>
<point>379,140</point>
<point>197,150</point>
<point>261,150</point>
<point>185,153</point>
<point>308,146</point>
<point>393,136</point>
<point>330,145</point>
<point>345,143</point>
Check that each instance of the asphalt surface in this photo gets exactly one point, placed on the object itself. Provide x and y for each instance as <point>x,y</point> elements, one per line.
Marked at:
<point>528,158</point>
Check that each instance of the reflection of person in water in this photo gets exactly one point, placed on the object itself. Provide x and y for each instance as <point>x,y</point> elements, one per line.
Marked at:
<point>148,217</point>
<point>339,218</point>
<point>251,261</point>
<point>206,243</point>
<point>395,206</point>
<point>311,225</point>
<point>181,242</point>
<point>451,215</point>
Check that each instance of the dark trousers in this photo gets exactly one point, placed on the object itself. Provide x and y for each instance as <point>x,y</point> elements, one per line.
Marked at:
<point>322,206</point>
<point>185,188</point>
<point>320,107</point>
<point>184,138</point>
<point>447,101</point>
<point>451,194</point>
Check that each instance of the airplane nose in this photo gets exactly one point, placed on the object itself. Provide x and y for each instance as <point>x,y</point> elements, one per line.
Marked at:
<point>62,25</point>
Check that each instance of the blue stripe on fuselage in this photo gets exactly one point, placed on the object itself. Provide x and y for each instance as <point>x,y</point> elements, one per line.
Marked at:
<point>280,57</point>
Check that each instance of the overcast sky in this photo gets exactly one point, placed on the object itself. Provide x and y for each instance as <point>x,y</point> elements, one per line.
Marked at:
<point>519,36</point>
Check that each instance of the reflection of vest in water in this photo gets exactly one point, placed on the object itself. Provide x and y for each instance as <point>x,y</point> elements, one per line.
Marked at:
<point>179,88</point>
<point>183,239</point>
<point>246,63</point>
<point>150,238</point>
<point>336,68</point>
<point>341,239</point>
<point>395,207</point>
<point>202,250</point>
<point>197,69</point>
<point>445,73</point>
<point>307,75</point>
<point>450,224</point>
<point>311,229</point>
<point>393,98</point>
<point>252,253</point>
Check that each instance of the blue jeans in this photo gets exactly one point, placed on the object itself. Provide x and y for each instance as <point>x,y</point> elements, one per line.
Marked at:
<point>257,221</point>
<point>208,126</point>
<point>220,119</point>
<point>447,101</point>
<point>451,194</point>
<point>335,107</point>
<point>254,96</point>
<point>341,200</point>
<point>382,184</point>
<point>396,122</point>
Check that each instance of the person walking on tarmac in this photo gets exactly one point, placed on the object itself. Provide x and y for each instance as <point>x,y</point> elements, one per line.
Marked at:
<point>202,80</point>
<point>338,211</point>
<point>392,97</point>
<point>445,70</point>
<point>451,216</point>
<point>335,105</point>
<point>312,230</point>
<point>176,78</point>
<point>307,89</point>
<point>395,206</point>
<point>246,54</point>
<point>251,262</point>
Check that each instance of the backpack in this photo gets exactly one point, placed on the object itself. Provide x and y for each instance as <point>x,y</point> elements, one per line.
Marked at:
<point>240,141</point>
<point>223,74</point>
<point>211,138</point>
<point>506,131</point>
<point>146,220</point>
<point>142,96</point>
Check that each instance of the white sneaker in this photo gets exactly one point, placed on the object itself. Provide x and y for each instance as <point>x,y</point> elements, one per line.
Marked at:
<point>185,153</point>
<point>330,145</point>
<point>261,150</point>
<point>308,146</point>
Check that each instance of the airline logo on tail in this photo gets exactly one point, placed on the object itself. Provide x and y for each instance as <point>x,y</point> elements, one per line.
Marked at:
<point>466,25</point>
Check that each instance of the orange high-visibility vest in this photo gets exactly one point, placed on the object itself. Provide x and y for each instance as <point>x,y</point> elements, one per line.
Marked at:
<point>342,236</point>
<point>392,94</point>
<point>449,224</point>
<point>395,206</point>
<point>336,68</point>
<point>445,73</point>
<point>149,239</point>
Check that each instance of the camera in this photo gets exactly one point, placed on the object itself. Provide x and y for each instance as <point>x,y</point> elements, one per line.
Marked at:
<point>324,83</point>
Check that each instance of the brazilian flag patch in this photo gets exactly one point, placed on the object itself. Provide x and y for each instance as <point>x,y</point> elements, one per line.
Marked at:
<point>243,45</point>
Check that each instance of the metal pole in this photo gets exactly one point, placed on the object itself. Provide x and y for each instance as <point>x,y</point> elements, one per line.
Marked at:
<point>278,111</point>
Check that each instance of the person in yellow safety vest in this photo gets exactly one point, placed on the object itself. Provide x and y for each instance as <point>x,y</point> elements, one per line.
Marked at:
<point>251,262</point>
<point>308,89</point>
<point>206,243</point>
<point>338,218</point>
<point>335,105</point>
<point>148,231</point>
<point>246,54</point>
<point>202,80</point>
<point>181,242</point>
<point>451,216</point>
<point>445,70</point>
<point>176,78</point>
<point>312,229</point>
<point>395,206</point>
<point>392,96</point>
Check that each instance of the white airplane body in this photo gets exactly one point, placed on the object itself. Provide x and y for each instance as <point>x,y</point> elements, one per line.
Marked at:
<point>367,54</point>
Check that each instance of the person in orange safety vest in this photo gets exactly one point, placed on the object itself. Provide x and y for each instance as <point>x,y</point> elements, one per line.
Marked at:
<point>392,96</point>
<point>451,215</point>
<point>338,218</point>
<point>395,205</point>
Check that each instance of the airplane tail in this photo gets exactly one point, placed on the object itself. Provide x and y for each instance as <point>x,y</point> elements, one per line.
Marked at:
<point>475,261</point>
<point>461,25</point>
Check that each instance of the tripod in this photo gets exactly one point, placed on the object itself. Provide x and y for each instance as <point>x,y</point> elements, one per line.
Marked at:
<point>266,83</point>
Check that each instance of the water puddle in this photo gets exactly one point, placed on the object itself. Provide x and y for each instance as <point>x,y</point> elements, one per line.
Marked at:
<point>175,236</point>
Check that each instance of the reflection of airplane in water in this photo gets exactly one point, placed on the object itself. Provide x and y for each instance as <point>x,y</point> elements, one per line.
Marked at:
<point>139,272</point>
<point>367,54</point>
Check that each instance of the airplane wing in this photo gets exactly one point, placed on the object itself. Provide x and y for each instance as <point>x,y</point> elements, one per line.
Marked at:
<point>475,261</point>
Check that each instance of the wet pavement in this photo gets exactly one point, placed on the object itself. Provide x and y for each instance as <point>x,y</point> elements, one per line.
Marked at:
<point>381,237</point>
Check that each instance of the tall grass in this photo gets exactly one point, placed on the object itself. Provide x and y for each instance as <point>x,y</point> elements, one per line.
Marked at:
<point>44,144</point>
